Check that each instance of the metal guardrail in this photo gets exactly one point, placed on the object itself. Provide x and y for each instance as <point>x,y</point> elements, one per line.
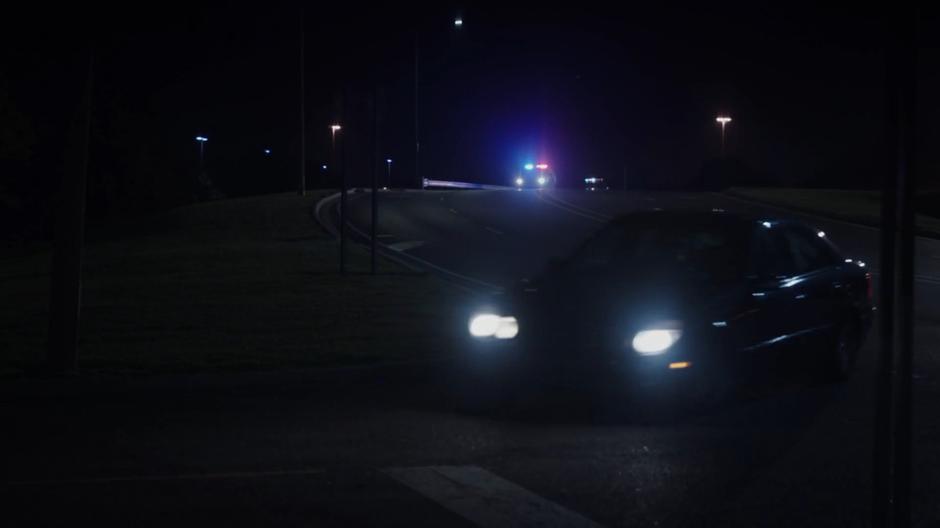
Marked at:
<point>445,184</point>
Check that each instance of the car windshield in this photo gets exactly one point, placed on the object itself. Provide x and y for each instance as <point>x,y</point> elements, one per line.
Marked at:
<point>708,250</point>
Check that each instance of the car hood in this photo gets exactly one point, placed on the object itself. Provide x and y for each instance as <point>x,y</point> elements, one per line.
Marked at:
<point>630,301</point>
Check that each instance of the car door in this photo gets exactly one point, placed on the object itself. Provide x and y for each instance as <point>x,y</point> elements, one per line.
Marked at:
<point>818,278</point>
<point>772,309</point>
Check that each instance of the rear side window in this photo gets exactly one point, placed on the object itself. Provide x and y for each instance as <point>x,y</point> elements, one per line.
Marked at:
<point>771,255</point>
<point>810,252</point>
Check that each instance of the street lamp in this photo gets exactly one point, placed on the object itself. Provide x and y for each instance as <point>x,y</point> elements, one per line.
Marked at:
<point>458,23</point>
<point>388,173</point>
<point>333,130</point>
<point>338,161</point>
<point>202,147</point>
<point>724,120</point>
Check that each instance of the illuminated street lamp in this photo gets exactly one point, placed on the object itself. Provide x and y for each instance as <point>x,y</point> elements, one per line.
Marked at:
<point>723,120</point>
<point>458,24</point>
<point>388,173</point>
<point>202,147</point>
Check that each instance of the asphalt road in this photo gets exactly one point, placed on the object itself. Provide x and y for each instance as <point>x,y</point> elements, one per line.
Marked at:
<point>385,447</point>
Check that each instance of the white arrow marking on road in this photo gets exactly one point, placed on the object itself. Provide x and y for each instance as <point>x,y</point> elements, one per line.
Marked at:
<point>486,499</point>
<point>405,246</point>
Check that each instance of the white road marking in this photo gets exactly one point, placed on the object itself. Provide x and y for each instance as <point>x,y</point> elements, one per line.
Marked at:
<point>157,478</point>
<point>405,246</point>
<point>485,499</point>
<point>386,235</point>
<point>494,230</point>
<point>419,264</point>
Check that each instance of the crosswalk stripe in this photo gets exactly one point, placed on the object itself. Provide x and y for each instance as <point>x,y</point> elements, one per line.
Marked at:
<point>486,499</point>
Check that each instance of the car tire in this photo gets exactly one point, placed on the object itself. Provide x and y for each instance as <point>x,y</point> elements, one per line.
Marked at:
<point>843,353</point>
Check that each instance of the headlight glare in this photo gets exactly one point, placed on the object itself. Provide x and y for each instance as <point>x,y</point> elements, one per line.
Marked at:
<point>655,341</point>
<point>492,325</point>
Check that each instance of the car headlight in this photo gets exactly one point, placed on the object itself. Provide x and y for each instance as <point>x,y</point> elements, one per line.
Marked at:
<point>492,325</point>
<point>542,180</point>
<point>655,341</point>
<point>519,181</point>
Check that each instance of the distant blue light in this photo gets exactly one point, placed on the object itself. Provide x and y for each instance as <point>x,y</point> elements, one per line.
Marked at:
<point>529,166</point>
<point>201,138</point>
<point>323,167</point>
<point>267,151</point>
<point>388,160</point>
<point>766,224</point>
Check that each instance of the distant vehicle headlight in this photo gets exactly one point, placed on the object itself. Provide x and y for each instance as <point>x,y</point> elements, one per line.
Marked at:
<point>519,182</point>
<point>542,180</point>
<point>492,325</point>
<point>655,341</point>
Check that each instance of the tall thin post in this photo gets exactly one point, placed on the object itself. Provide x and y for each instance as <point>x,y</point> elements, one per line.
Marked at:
<point>722,140</point>
<point>418,180</point>
<point>891,467</point>
<point>375,176</point>
<point>342,194</point>
<point>906,89</point>
<point>66,282</point>
<point>302,181</point>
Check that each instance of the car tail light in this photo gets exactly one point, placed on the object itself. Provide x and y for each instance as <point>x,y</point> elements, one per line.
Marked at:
<point>869,289</point>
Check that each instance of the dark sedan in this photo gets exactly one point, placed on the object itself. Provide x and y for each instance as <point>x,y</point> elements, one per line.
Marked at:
<point>693,297</point>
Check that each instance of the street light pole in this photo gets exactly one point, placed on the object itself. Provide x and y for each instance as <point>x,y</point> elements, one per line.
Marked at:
<point>342,201</point>
<point>302,183</point>
<point>66,278</point>
<point>202,145</point>
<point>458,24</point>
<point>373,158</point>
<point>417,133</point>
<point>388,173</point>
<point>723,120</point>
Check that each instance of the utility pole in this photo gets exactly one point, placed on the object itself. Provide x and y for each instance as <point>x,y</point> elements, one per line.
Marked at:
<point>302,183</point>
<point>66,284</point>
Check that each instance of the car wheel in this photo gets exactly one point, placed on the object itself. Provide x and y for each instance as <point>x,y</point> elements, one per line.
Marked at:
<point>843,353</point>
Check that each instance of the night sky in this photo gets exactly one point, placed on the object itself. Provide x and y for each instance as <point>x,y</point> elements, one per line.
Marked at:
<point>587,90</point>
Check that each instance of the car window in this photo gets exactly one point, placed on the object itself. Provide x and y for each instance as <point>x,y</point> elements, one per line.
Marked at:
<point>712,252</point>
<point>809,251</point>
<point>771,255</point>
